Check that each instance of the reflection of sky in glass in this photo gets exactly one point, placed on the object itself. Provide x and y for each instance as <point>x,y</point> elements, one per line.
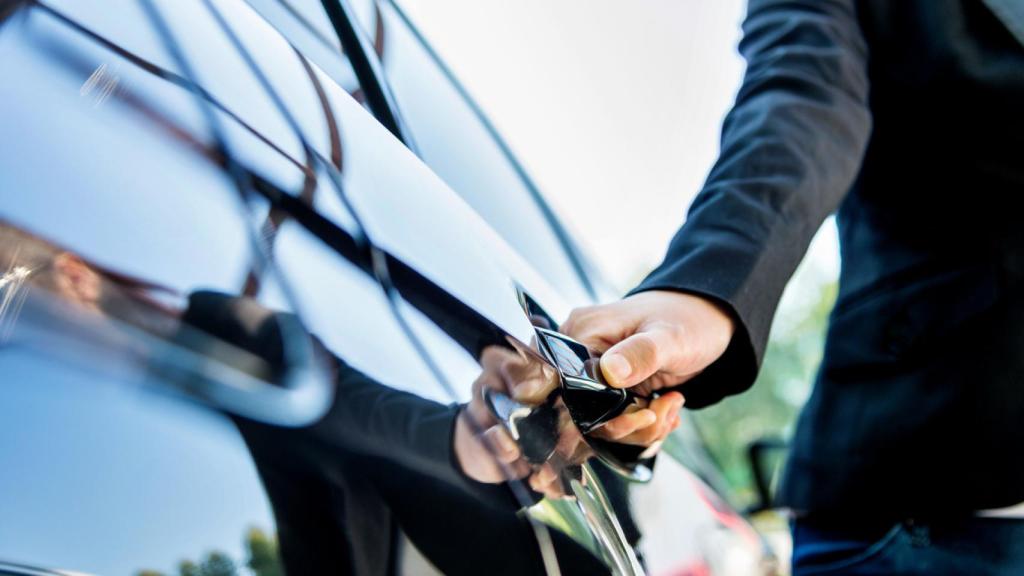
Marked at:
<point>566,357</point>
<point>124,192</point>
<point>107,478</point>
<point>437,117</point>
<point>347,311</point>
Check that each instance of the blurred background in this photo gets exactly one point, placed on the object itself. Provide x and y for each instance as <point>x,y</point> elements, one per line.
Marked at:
<point>615,109</point>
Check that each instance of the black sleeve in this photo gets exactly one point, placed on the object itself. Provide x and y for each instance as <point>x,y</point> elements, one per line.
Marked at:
<point>791,147</point>
<point>365,417</point>
<point>370,418</point>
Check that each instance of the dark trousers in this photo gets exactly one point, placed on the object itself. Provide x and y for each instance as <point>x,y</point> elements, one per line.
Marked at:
<point>970,545</point>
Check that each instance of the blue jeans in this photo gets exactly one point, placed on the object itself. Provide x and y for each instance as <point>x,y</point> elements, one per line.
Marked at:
<point>970,545</point>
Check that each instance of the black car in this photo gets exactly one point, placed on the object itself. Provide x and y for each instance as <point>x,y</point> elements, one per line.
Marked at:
<point>251,256</point>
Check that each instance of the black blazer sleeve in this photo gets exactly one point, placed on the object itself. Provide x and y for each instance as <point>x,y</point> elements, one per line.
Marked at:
<point>366,417</point>
<point>791,147</point>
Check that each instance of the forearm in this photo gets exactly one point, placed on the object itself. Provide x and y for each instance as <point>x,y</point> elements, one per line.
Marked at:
<point>791,148</point>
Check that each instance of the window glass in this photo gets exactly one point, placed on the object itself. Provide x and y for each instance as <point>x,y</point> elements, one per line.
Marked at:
<point>102,262</point>
<point>103,258</point>
<point>115,216</point>
<point>453,140</point>
<point>89,462</point>
<point>307,27</point>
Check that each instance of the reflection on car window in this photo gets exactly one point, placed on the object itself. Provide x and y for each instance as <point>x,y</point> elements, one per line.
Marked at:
<point>140,261</point>
<point>307,27</point>
<point>457,145</point>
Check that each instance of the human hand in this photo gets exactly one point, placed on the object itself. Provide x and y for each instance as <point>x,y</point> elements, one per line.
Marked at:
<point>650,341</point>
<point>485,450</point>
<point>644,426</point>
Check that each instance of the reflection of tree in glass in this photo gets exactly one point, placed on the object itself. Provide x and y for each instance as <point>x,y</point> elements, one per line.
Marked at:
<point>188,568</point>
<point>263,555</point>
<point>217,564</point>
<point>263,560</point>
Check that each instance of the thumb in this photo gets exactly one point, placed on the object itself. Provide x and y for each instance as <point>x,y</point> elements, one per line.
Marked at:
<point>636,358</point>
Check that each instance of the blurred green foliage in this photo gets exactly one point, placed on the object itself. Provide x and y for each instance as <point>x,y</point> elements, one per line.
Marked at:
<point>770,408</point>
<point>263,560</point>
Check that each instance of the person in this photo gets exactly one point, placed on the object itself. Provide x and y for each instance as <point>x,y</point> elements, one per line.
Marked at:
<point>906,120</point>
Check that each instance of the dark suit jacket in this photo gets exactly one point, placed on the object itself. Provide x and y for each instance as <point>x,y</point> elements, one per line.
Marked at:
<point>379,459</point>
<point>907,119</point>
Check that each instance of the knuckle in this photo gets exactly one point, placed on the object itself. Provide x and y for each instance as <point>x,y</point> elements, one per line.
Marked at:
<point>578,314</point>
<point>643,349</point>
<point>671,334</point>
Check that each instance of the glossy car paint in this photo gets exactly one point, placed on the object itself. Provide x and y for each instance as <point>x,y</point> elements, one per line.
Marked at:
<point>117,163</point>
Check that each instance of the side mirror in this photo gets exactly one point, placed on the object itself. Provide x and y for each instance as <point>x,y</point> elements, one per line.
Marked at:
<point>765,456</point>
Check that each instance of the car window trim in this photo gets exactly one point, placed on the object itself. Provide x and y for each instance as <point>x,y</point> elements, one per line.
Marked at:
<point>368,70</point>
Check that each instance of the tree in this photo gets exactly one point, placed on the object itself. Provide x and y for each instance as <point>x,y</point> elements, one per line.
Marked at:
<point>217,564</point>
<point>263,554</point>
<point>187,568</point>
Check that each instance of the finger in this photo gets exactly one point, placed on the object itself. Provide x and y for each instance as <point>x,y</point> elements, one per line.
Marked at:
<point>501,445</point>
<point>520,468</point>
<point>492,357</point>
<point>597,326</point>
<point>676,421</point>
<point>576,318</point>
<point>545,481</point>
<point>598,334</point>
<point>554,490</point>
<point>544,475</point>
<point>645,436</point>
<point>638,357</point>
<point>534,391</point>
<point>626,424</point>
<point>528,382</point>
<point>477,408</point>
<point>664,408</point>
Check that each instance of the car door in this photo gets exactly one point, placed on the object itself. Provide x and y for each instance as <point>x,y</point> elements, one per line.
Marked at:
<point>451,134</point>
<point>467,153</point>
<point>136,166</point>
<point>231,162</point>
<point>426,267</point>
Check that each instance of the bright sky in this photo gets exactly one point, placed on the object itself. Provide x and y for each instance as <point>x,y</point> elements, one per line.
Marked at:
<point>615,108</point>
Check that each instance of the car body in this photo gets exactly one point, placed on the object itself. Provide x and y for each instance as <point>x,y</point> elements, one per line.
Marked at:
<point>316,159</point>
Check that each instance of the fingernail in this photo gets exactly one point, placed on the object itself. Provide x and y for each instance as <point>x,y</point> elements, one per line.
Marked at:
<point>616,367</point>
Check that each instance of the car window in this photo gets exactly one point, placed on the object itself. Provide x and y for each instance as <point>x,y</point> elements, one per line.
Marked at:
<point>105,255</point>
<point>451,136</point>
<point>115,217</point>
<point>446,130</point>
<point>124,268</point>
<point>140,209</point>
<point>305,24</point>
<point>458,299</point>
